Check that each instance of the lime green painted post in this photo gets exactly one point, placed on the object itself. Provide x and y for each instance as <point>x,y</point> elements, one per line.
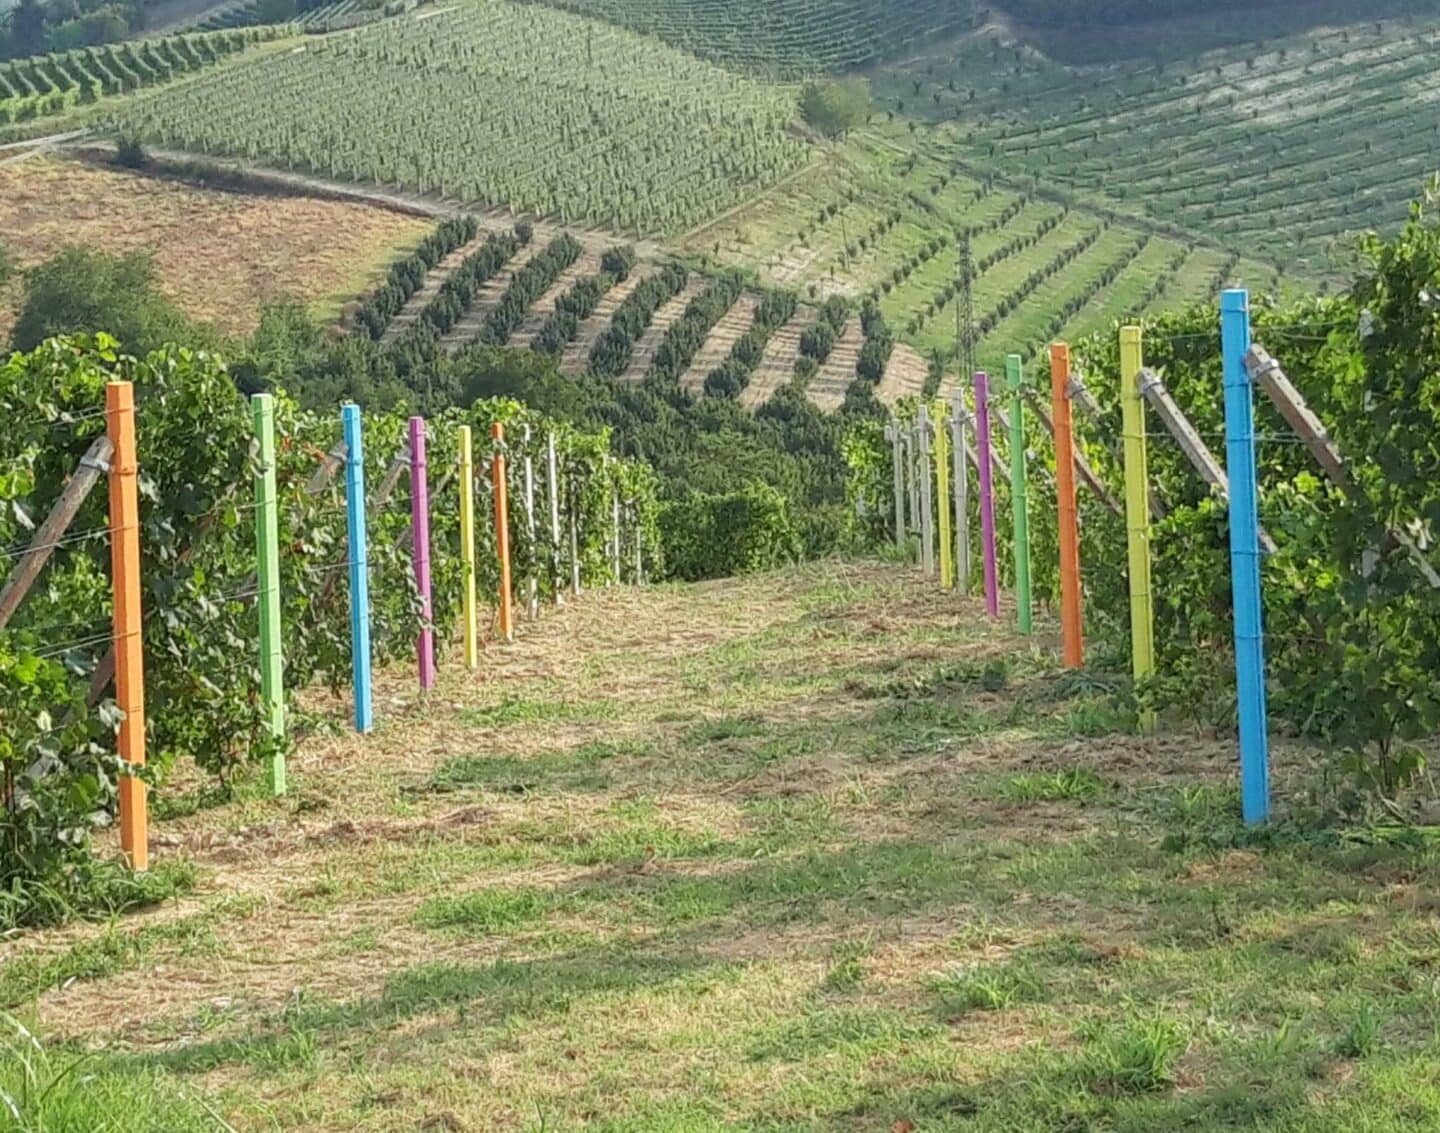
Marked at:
<point>1137,512</point>
<point>267,561</point>
<point>1015,380</point>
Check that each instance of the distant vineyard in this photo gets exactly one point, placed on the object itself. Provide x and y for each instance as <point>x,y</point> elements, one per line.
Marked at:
<point>502,104</point>
<point>47,84</point>
<point>1285,148</point>
<point>881,222</point>
<point>312,17</point>
<point>786,38</point>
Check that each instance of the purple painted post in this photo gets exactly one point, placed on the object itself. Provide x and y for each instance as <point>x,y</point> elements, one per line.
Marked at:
<point>987,493</point>
<point>420,547</point>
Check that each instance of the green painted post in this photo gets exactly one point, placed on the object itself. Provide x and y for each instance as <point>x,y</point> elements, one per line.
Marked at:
<point>1015,380</point>
<point>267,561</point>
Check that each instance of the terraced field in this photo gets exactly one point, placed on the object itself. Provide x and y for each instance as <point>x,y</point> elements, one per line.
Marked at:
<point>496,103</point>
<point>666,317</point>
<point>1283,152</point>
<point>40,87</point>
<point>881,217</point>
<point>718,343</point>
<point>777,364</point>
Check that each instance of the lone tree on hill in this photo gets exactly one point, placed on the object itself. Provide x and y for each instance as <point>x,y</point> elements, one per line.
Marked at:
<point>833,106</point>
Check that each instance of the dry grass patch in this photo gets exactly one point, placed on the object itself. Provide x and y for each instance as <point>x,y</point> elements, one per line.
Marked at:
<point>220,255</point>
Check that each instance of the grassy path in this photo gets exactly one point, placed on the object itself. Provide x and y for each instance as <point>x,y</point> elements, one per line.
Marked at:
<point>811,851</point>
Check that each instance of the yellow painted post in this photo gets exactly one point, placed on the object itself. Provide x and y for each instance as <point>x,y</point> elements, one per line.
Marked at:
<point>942,507</point>
<point>467,546</point>
<point>1137,513</point>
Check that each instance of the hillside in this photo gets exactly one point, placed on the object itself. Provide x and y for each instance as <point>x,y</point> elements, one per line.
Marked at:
<point>1282,152</point>
<point>496,103</point>
<point>814,850</point>
<point>220,255</point>
<point>880,214</point>
<point>786,38</point>
<point>1088,194</point>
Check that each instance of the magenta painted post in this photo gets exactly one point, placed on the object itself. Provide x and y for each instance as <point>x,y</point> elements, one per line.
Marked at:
<point>987,493</point>
<point>420,548</point>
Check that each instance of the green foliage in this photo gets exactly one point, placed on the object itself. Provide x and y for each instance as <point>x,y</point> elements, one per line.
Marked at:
<point>43,1090</point>
<point>717,535</point>
<point>835,106</point>
<point>83,291</point>
<point>198,559</point>
<point>1072,784</point>
<point>1133,1057</point>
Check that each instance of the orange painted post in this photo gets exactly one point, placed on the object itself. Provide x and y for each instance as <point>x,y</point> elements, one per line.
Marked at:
<point>502,532</point>
<point>126,619</point>
<point>1071,632</point>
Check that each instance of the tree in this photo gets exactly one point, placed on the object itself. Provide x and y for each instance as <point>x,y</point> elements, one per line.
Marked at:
<point>27,28</point>
<point>7,266</point>
<point>834,106</point>
<point>82,291</point>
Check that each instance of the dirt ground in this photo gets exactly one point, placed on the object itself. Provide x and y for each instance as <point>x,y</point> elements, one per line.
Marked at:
<point>821,850</point>
<point>221,255</point>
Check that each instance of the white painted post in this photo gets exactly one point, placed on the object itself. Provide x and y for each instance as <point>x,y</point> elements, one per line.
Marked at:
<point>927,502</point>
<point>959,419</point>
<point>552,491</point>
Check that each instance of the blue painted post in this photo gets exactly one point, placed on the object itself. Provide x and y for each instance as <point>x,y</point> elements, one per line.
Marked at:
<point>359,561</point>
<point>1245,556</point>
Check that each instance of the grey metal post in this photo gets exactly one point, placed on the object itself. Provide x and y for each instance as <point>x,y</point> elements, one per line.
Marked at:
<point>959,420</point>
<point>927,503</point>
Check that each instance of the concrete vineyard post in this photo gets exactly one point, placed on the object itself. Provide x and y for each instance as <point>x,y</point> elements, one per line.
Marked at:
<point>127,619</point>
<point>962,488</point>
<point>532,586</point>
<point>897,468</point>
<point>1018,504</point>
<point>267,584</point>
<point>615,562</point>
<point>552,492</point>
<point>573,498</point>
<point>907,442</point>
<point>359,564</point>
<point>1245,556</point>
<point>927,503</point>
<point>502,533</point>
<point>1137,512</point>
<point>420,550</point>
<point>639,545</point>
<point>469,613</point>
<point>1072,638</point>
<point>987,494</point>
<point>942,509</point>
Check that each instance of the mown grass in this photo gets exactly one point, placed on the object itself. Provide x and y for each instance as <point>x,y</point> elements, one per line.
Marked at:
<point>912,878</point>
